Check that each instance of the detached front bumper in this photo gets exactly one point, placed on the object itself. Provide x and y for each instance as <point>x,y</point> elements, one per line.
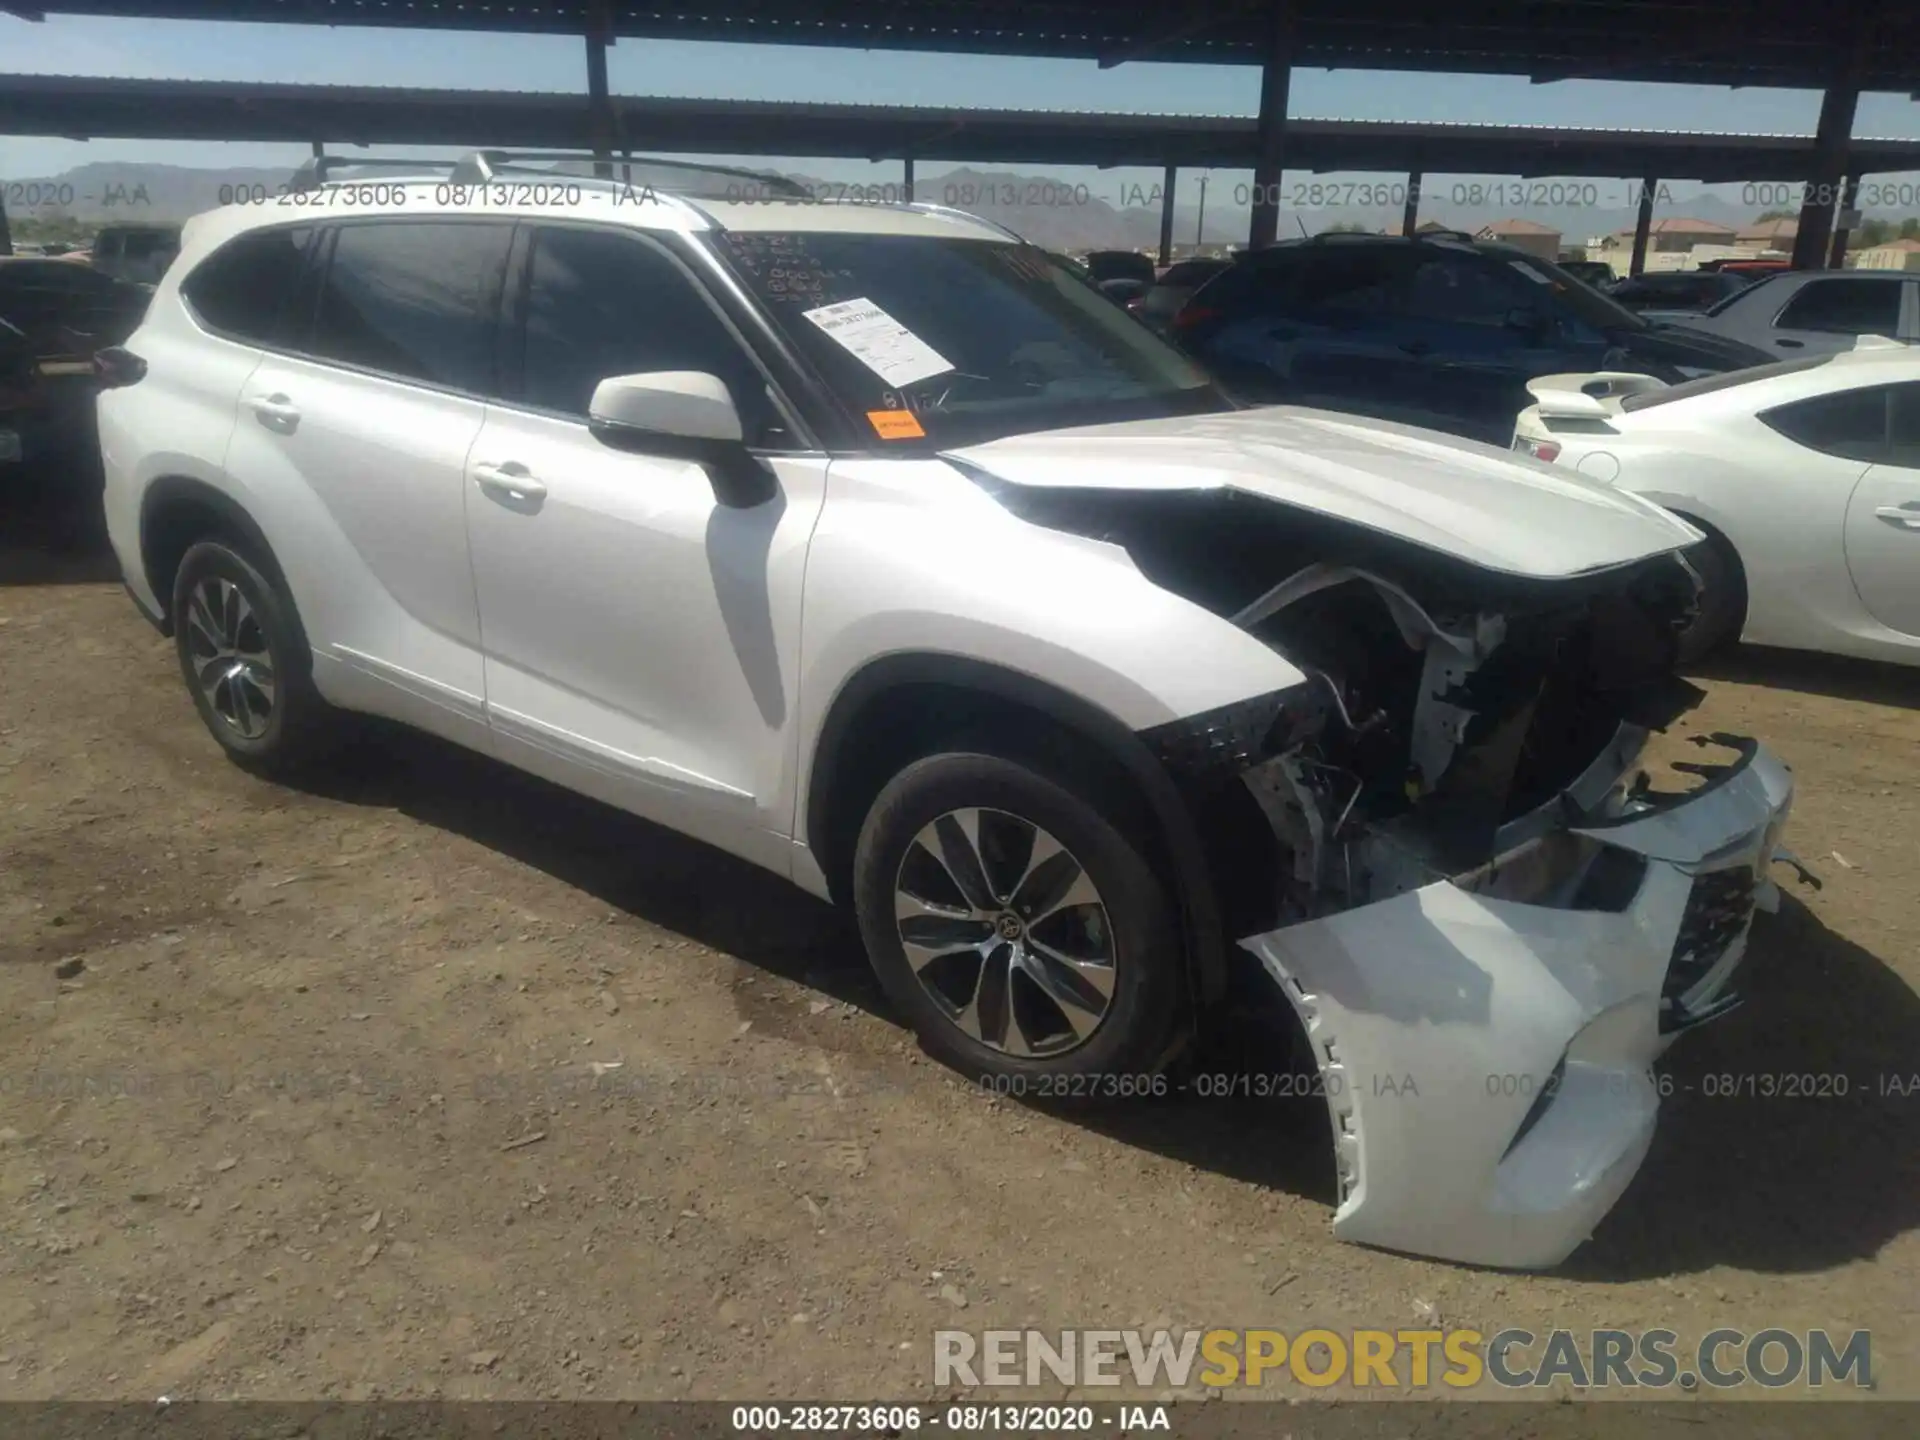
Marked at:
<point>1487,1062</point>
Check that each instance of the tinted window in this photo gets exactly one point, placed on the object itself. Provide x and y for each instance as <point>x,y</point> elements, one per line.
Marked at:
<point>1302,282</point>
<point>414,299</point>
<point>1851,424</point>
<point>242,289</point>
<point>601,304</point>
<point>1469,292</point>
<point>1846,307</point>
<point>1903,441</point>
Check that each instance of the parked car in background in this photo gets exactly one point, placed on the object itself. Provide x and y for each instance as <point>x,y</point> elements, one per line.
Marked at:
<point>1753,269</point>
<point>1176,285</point>
<point>871,546</point>
<point>57,316</point>
<point>1808,311</point>
<point>137,254</point>
<point>66,310</point>
<point>1105,265</point>
<point>1443,332</point>
<point>1670,293</point>
<point>1596,273</point>
<point>1804,476</point>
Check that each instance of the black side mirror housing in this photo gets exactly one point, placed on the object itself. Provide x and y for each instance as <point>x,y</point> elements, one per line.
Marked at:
<point>740,479</point>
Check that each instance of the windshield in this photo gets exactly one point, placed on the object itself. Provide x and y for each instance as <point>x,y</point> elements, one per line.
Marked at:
<point>938,342</point>
<point>1584,301</point>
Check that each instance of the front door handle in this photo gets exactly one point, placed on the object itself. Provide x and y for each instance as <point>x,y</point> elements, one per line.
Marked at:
<point>1906,516</point>
<point>509,481</point>
<point>276,412</point>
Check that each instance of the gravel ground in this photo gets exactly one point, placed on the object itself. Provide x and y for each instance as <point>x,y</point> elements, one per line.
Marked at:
<point>435,1081</point>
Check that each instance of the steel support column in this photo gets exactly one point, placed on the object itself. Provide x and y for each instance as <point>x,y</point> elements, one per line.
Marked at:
<point>1831,139</point>
<point>1410,216</point>
<point>1849,201</point>
<point>599,103</point>
<point>1276,81</point>
<point>1643,226</point>
<point>1166,215</point>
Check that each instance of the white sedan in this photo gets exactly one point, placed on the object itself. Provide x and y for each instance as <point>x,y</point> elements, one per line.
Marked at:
<point>1803,477</point>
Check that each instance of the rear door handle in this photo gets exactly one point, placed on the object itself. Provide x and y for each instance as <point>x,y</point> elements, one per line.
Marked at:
<point>510,481</point>
<point>1907,516</point>
<point>276,412</point>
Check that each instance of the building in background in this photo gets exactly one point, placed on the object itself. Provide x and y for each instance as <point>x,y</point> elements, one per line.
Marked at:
<point>1893,255</point>
<point>1769,235</point>
<point>1670,244</point>
<point>1527,235</point>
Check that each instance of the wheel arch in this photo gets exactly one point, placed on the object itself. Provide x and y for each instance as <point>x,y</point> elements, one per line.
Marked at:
<point>177,511</point>
<point>861,744</point>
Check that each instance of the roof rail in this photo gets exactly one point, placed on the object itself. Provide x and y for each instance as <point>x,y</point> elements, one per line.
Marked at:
<point>318,170</point>
<point>480,166</point>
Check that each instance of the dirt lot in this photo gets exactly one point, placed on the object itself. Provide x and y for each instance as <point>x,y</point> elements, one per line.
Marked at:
<point>436,1081</point>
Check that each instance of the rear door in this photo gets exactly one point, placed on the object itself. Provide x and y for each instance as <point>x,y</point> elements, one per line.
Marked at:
<point>1831,312</point>
<point>357,436</point>
<point>1883,521</point>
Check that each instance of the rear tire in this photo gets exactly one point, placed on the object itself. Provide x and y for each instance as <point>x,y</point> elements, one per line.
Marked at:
<point>244,657</point>
<point>1021,930</point>
<point>1723,599</point>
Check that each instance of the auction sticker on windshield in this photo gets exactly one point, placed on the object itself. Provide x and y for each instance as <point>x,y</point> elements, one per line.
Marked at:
<point>878,341</point>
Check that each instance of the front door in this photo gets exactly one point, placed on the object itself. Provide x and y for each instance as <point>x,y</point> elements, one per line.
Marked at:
<point>641,639</point>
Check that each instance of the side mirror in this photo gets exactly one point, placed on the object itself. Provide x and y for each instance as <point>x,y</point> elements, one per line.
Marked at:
<point>685,414</point>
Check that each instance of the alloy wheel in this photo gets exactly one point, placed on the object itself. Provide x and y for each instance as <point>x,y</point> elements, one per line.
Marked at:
<point>1006,932</point>
<point>227,649</point>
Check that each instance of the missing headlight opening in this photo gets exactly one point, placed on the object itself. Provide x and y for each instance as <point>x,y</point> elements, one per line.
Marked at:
<point>1437,841</point>
<point>1454,721</point>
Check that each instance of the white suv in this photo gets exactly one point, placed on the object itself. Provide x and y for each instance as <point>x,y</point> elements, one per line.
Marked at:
<point>877,547</point>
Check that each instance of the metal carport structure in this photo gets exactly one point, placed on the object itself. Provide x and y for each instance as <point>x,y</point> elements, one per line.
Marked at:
<point>1839,48</point>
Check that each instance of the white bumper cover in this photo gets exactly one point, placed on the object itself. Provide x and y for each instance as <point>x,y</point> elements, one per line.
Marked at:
<point>1443,1022</point>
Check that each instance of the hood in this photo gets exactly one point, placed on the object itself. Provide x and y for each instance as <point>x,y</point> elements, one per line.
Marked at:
<point>1683,341</point>
<point>1459,497</point>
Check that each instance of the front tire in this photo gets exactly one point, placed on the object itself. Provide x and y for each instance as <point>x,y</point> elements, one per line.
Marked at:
<point>245,660</point>
<point>1723,599</point>
<point>1020,928</point>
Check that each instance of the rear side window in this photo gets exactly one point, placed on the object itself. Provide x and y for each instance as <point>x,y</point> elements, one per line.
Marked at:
<point>242,290</point>
<point>600,303</point>
<point>1851,424</point>
<point>1844,307</point>
<point>1903,439</point>
<point>414,299</point>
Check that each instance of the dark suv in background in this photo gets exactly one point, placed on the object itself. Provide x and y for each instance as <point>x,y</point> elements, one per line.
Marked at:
<point>1441,331</point>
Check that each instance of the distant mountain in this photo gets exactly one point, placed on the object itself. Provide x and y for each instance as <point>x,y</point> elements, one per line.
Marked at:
<point>1101,212</point>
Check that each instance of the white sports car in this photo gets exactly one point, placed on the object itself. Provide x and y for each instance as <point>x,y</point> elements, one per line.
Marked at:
<point>1803,477</point>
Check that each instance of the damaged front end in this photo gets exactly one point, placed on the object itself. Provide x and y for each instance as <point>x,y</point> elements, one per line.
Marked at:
<point>1488,921</point>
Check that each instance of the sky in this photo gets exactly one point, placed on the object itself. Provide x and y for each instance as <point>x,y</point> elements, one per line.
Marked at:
<point>186,50</point>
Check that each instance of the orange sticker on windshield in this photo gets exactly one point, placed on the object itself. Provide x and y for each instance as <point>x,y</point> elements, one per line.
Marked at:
<point>895,424</point>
